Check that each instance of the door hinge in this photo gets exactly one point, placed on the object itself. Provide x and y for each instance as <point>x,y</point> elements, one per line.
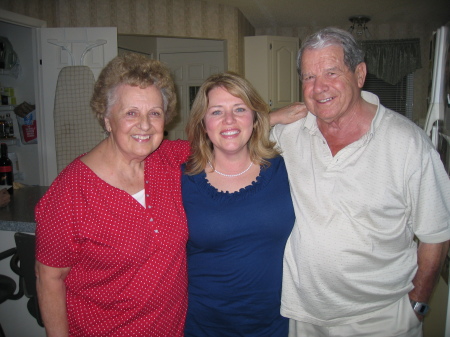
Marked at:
<point>270,46</point>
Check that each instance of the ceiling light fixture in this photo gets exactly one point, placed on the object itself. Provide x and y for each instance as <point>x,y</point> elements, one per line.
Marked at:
<point>359,27</point>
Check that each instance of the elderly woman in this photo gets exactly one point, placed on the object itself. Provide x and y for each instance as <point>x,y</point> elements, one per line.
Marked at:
<point>237,200</point>
<point>111,231</point>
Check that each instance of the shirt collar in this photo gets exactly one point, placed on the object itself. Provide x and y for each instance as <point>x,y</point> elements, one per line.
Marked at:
<point>310,122</point>
<point>373,99</point>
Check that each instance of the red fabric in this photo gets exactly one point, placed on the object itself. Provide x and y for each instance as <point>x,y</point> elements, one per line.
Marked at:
<point>128,263</point>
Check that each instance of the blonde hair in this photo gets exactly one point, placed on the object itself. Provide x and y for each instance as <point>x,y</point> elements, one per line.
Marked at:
<point>135,70</point>
<point>259,144</point>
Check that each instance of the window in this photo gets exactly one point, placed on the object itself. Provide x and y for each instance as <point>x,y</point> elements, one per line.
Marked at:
<point>193,90</point>
<point>398,97</point>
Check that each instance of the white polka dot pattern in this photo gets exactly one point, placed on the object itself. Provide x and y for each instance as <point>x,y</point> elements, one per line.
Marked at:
<point>128,263</point>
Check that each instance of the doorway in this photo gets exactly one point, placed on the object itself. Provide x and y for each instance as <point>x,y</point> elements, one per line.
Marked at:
<point>191,61</point>
<point>190,70</point>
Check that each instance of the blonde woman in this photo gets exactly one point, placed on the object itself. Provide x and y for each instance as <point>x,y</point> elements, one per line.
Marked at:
<point>236,195</point>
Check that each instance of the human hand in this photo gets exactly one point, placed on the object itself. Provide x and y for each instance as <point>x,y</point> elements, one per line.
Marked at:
<point>419,317</point>
<point>5,198</point>
<point>288,114</point>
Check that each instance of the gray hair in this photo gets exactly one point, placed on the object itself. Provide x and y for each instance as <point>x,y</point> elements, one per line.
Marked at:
<point>138,71</point>
<point>353,54</point>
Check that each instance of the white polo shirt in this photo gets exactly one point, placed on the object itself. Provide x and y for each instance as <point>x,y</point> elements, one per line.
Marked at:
<point>351,252</point>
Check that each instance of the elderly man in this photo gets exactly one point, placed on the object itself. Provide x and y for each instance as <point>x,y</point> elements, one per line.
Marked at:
<point>365,182</point>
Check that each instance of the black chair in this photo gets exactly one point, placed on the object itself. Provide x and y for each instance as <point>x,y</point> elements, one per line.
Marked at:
<point>7,284</point>
<point>25,245</point>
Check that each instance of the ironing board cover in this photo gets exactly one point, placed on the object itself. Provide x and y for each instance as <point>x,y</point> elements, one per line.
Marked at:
<point>76,128</point>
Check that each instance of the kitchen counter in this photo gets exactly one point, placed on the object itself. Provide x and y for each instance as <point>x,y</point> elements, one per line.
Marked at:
<point>18,216</point>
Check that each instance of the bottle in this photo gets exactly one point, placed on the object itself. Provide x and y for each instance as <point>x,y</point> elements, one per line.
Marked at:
<point>6,171</point>
<point>9,126</point>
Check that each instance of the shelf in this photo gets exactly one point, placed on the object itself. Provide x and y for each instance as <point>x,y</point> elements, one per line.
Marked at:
<point>14,72</point>
<point>9,141</point>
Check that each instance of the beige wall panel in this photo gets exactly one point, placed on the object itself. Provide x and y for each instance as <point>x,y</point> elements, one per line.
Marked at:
<point>142,17</point>
<point>160,19</point>
<point>177,18</point>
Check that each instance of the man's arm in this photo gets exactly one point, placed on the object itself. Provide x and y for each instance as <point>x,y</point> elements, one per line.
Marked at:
<point>52,299</point>
<point>288,114</point>
<point>430,258</point>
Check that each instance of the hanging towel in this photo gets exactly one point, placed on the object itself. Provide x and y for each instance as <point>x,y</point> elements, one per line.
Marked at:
<point>76,128</point>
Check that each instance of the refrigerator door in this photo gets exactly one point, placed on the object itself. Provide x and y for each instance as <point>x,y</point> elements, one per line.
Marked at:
<point>443,141</point>
<point>437,124</point>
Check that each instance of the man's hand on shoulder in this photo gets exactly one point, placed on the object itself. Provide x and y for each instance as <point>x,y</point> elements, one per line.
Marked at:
<point>288,114</point>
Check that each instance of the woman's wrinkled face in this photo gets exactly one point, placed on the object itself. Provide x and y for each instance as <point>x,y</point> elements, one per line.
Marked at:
<point>136,121</point>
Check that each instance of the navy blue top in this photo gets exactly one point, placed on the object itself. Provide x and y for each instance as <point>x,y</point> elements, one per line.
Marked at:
<point>235,254</point>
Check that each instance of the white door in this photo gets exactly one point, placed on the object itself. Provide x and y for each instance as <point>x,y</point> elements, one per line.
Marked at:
<point>58,48</point>
<point>189,71</point>
<point>284,73</point>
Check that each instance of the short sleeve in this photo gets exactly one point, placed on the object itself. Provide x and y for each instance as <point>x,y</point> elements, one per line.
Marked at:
<point>55,214</point>
<point>430,190</point>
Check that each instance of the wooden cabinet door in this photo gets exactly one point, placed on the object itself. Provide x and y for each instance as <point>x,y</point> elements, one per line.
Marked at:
<point>284,78</point>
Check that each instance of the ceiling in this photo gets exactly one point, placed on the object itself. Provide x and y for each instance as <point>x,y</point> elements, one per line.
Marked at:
<point>321,13</point>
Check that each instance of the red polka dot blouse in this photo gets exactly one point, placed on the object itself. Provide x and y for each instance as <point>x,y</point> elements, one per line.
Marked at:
<point>128,263</point>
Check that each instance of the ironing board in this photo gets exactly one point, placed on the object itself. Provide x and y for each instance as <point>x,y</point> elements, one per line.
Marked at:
<point>76,128</point>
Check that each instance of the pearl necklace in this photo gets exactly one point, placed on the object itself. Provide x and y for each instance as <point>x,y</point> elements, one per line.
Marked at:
<point>231,175</point>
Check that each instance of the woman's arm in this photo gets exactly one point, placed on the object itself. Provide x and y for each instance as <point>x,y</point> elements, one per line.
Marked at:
<point>288,114</point>
<point>52,299</point>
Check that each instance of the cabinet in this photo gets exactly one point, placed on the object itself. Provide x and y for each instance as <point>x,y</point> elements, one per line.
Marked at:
<point>270,65</point>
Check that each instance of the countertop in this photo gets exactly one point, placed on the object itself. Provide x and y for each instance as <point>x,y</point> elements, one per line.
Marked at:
<point>18,216</point>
